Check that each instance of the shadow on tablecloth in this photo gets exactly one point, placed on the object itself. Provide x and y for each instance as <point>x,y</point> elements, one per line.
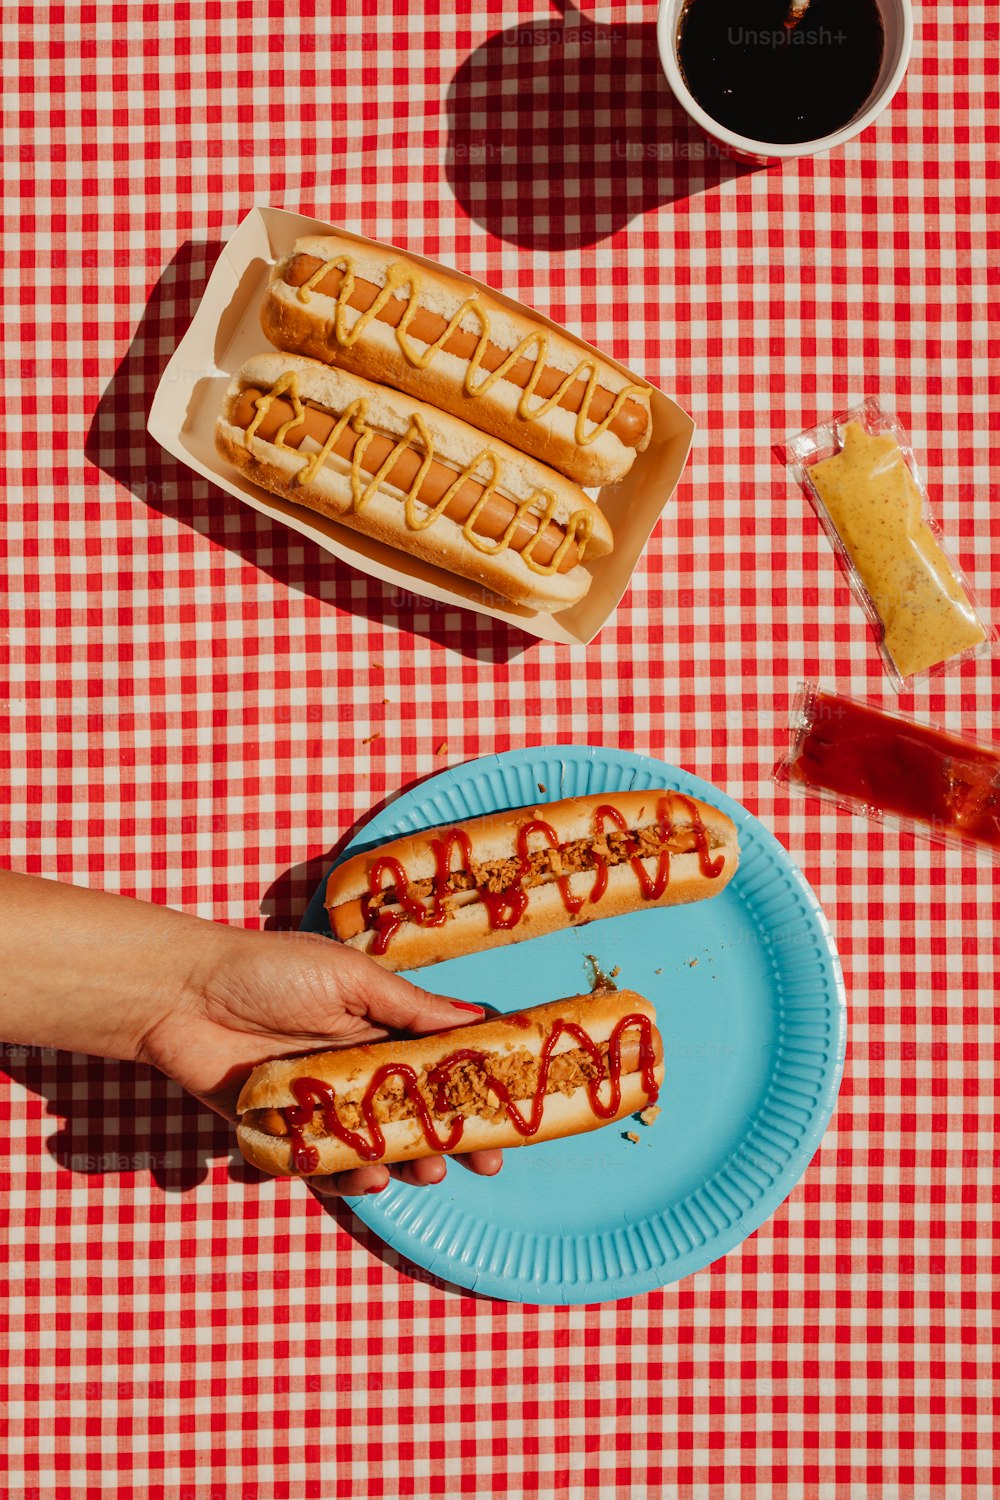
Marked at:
<point>562,129</point>
<point>370,1242</point>
<point>116,1119</point>
<point>117,443</point>
<point>121,1121</point>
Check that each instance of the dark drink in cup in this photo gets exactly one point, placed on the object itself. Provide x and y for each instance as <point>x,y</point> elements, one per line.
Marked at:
<point>769,81</point>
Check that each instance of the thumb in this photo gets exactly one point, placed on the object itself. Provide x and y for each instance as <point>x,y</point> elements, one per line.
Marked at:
<point>388,1000</point>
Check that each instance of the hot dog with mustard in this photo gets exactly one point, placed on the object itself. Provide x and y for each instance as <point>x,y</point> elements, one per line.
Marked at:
<point>413,477</point>
<point>378,312</point>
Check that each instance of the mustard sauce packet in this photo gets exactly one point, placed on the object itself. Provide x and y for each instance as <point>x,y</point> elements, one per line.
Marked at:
<point>859,474</point>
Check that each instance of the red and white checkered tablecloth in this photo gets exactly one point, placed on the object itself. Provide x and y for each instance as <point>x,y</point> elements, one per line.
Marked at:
<point>193,692</point>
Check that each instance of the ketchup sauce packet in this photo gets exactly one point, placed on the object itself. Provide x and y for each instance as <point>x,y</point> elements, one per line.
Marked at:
<point>894,769</point>
<point>860,476</point>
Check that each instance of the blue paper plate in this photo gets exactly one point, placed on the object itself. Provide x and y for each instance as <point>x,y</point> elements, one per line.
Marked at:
<point>750,1001</point>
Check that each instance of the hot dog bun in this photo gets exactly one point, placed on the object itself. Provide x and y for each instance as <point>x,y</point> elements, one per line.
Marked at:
<point>702,844</point>
<point>414,477</point>
<point>380,313</point>
<point>513,1048</point>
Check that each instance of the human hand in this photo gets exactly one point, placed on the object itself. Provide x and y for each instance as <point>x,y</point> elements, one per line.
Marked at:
<point>259,995</point>
<point>204,1003</point>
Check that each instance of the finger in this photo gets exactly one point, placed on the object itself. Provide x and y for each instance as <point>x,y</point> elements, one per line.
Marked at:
<point>429,1170</point>
<point>358,1183</point>
<point>483,1163</point>
<point>389,1000</point>
<point>425,1172</point>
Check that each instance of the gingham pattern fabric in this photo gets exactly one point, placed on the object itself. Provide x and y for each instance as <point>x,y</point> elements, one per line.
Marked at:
<point>201,704</point>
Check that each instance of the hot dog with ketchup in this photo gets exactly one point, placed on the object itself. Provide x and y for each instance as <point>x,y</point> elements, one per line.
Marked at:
<point>413,477</point>
<point>499,879</point>
<point>381,314</point>
<point>554,1070</point>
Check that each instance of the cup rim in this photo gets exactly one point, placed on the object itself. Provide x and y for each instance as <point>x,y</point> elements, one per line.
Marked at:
<point>666,38</point>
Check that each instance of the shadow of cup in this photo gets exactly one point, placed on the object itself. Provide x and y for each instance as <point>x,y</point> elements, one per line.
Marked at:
<point>563,129</point>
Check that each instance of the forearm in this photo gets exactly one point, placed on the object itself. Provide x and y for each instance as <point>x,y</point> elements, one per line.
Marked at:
<point>90,972</point>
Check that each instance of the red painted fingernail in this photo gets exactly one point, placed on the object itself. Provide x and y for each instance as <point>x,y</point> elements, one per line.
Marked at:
<point>380,1189</point>
<point>464,1005</point>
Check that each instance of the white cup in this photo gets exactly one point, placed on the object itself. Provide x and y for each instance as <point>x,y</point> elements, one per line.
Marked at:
<point>897,22</point>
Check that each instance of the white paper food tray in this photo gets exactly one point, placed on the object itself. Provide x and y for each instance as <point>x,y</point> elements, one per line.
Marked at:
<point>226,330</point>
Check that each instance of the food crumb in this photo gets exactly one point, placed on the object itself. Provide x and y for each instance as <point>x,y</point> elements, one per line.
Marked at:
<point>630,1135</point>
<point>657,971</point>
<point>385,701</point>
<point>376,736</point>
<point>442,749</point>
<point>541,787</point>
<point>651,1113</point>
<point>692,963</point>
<point>601,983</point>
